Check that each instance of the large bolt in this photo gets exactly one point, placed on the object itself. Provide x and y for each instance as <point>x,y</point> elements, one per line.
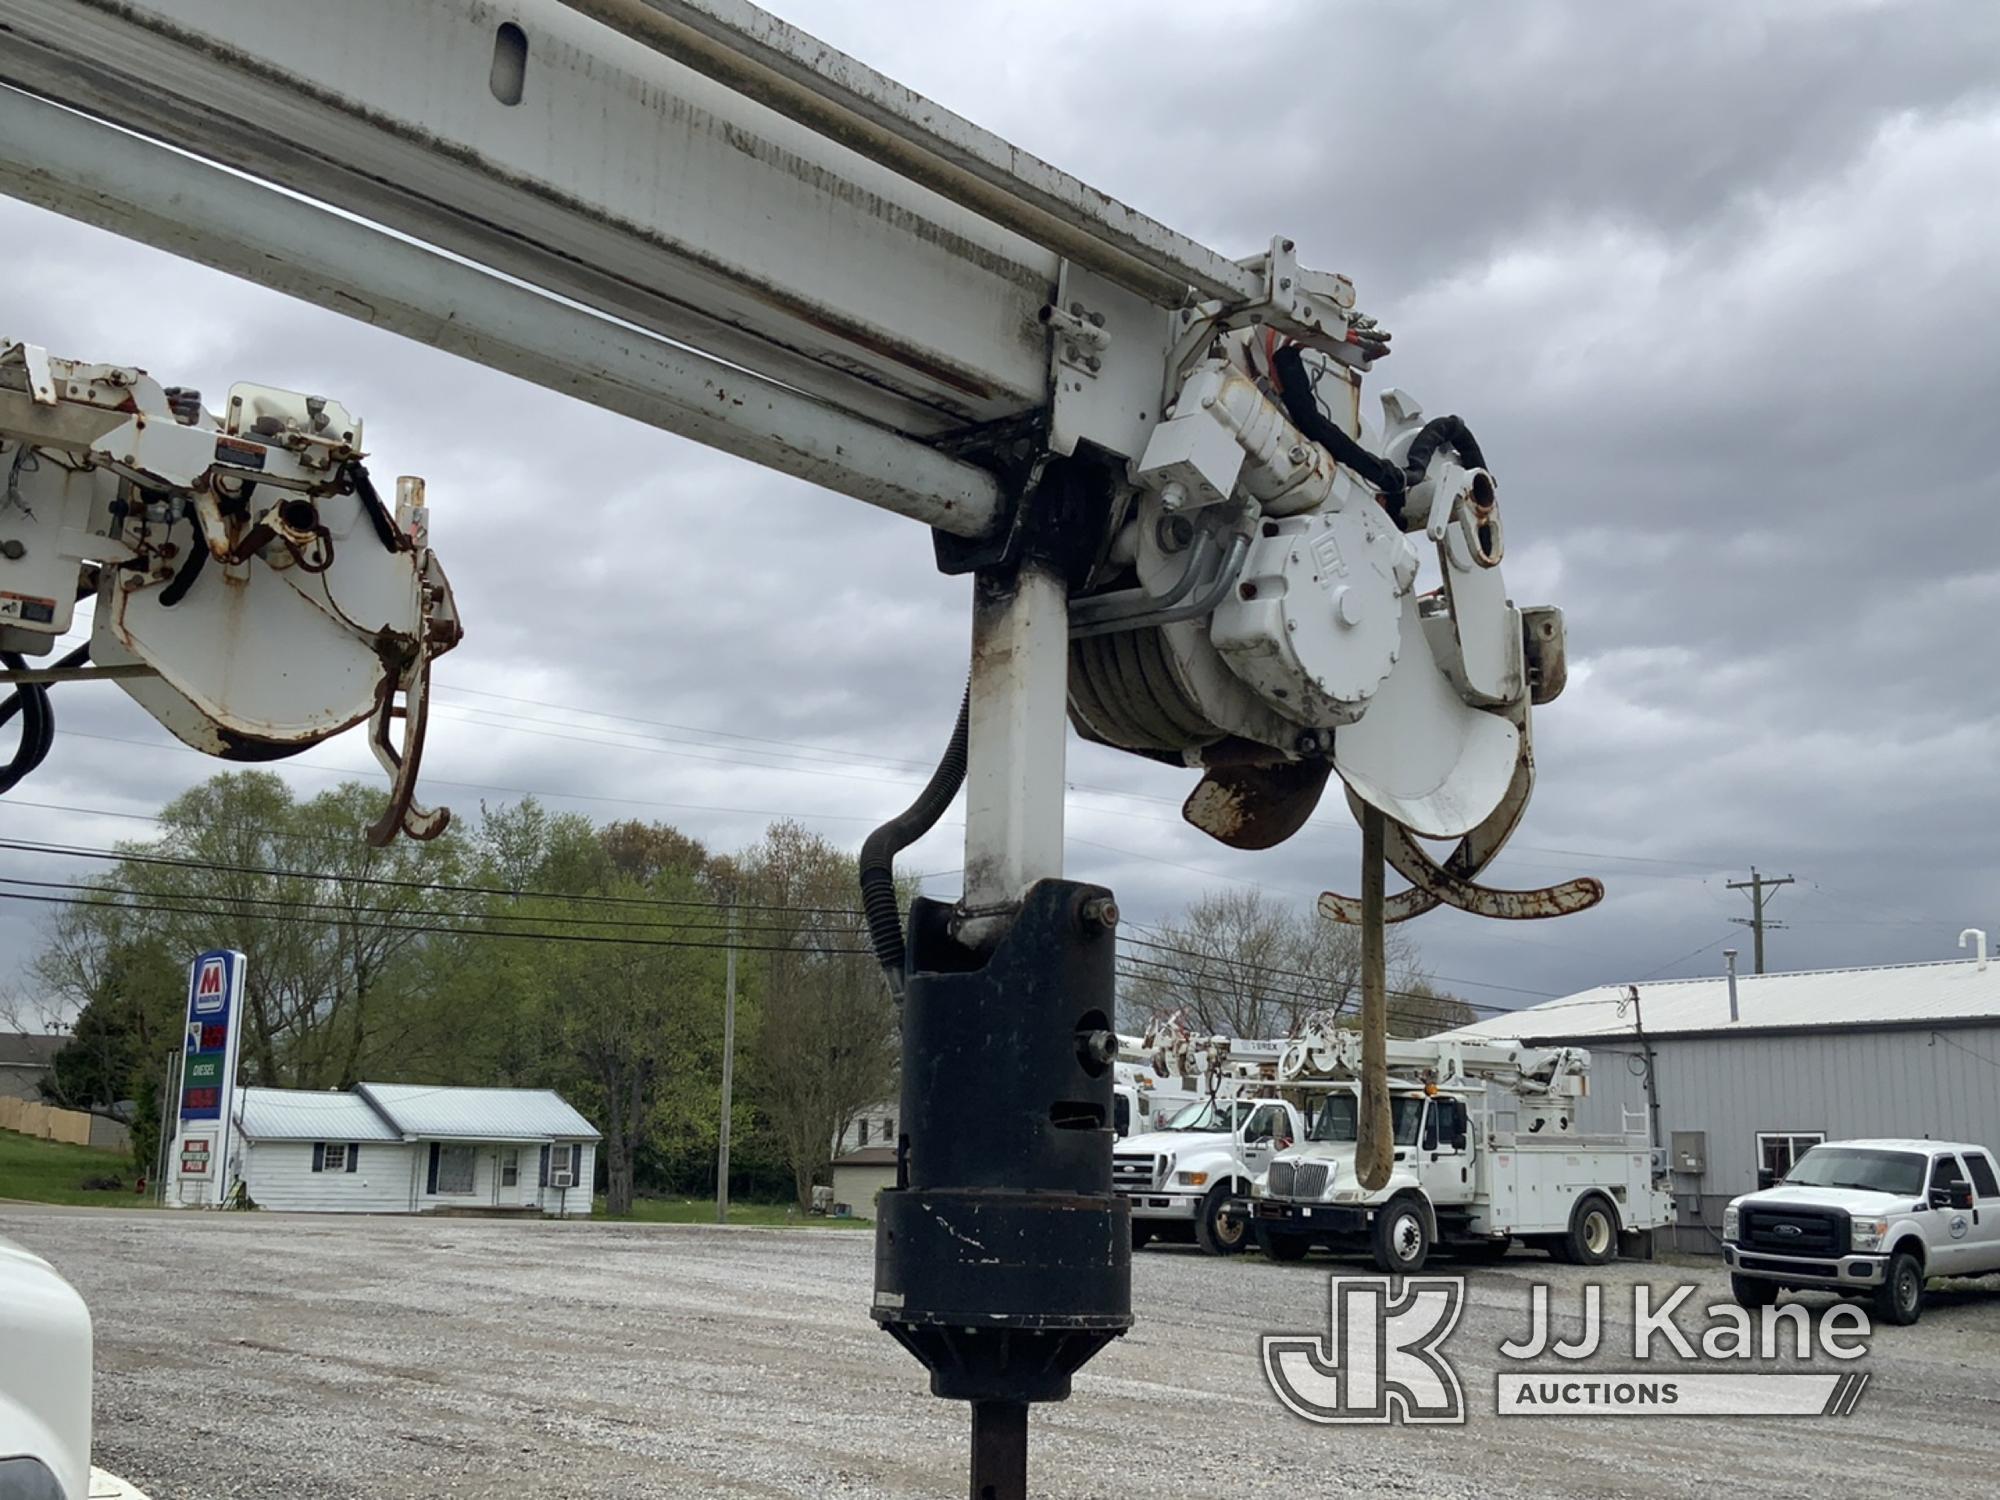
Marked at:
<point>1100,911</point>
<point>1099,1047</point>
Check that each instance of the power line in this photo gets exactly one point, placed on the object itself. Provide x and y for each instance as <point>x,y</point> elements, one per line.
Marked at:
<point>345,914</point>
<point>1308,974</point>
<point>1756,885</point>
<point>1317,996</point>
<point>84,851</point>
<point>536,937</point>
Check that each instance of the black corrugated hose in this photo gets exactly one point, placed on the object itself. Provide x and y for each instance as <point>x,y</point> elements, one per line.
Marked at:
<point>38,718</point>
<point>1440,432</point>
<point>880,848</point>
<point>1295,391</point>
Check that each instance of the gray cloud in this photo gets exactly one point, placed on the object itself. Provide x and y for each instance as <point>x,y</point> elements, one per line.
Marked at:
<point>1713,282</point>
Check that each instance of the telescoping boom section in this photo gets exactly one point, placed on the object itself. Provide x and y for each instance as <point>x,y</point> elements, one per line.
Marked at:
<point>1190,537</point>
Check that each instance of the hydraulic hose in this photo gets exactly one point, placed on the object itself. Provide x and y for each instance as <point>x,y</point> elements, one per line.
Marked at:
<point>880,848</point>
<point>38,717</point>
<point>1295,391</point>
<point>1442,432</point>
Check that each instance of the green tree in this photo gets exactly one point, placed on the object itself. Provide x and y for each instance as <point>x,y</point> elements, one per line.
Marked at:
<point>1238,962</point>
<point>333,929</point>
<point>827,1042</point>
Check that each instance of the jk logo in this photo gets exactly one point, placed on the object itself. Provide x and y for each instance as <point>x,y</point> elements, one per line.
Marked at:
<point>1379,1361</point>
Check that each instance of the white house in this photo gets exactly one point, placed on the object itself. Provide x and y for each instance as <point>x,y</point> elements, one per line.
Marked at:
<point>864,1158</point>
<point>398,1148</point>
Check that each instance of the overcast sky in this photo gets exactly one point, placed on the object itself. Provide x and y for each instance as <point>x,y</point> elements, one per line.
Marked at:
<point>1717,285</point>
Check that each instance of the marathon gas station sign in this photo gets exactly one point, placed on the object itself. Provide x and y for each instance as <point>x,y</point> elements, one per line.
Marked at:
<point>200,1158</point>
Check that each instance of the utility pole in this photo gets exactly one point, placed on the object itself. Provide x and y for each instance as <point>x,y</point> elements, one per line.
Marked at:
<point>1646,1052</point>
<point>728,1076</point>
<point>1757,885</point>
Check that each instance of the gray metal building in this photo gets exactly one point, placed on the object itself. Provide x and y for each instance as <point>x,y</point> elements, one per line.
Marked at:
<point>1903,1050</point>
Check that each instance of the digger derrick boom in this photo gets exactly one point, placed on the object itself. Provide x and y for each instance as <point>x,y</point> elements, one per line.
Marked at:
<point>1188,535</point>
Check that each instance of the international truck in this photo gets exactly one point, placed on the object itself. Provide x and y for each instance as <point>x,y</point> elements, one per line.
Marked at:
<point>1487,1155</point>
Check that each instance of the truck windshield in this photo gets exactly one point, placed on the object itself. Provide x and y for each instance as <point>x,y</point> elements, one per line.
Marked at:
<point>1209,1114</point>
<point>1338,1119</point>
<point>1899,1172</point>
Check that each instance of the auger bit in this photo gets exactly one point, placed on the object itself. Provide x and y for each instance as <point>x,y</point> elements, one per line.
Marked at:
<point>1451,884</point>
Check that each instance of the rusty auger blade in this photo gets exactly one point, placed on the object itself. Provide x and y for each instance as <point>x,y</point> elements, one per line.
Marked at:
<point>1432,884</point>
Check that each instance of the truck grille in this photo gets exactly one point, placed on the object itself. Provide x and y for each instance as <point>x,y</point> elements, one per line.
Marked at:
<point>1795,1231</point>
<point>1297,1179</point>
<point>1134,1172</point>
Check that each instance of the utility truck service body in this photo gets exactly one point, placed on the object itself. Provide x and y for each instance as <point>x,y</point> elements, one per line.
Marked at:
<point>1459,1178</point>
<point>1142,1100</point>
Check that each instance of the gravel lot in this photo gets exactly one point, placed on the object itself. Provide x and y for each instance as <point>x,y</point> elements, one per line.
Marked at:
<point>300,1356</point>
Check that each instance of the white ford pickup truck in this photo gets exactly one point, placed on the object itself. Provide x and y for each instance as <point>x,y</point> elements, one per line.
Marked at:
<point>1874,1218</point>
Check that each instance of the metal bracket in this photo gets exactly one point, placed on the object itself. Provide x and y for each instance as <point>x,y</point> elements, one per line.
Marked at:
<point>41,379</point>
<point>1104,365</point>
<point>404,814</point>
<point>110,673</point>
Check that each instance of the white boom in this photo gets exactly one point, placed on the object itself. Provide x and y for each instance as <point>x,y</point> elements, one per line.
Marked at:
<point>1322,1051</point>
<point>690,212</point>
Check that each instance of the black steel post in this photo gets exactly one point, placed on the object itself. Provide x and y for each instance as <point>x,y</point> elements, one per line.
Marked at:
<point>999,1450</point>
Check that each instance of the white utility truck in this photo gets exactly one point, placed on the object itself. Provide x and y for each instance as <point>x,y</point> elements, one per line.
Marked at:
<point>1867,1218</point>
<point>1460,1179</point>
<point>1142,1099</point>
<point>1181,1179</point>
<point>1180,1172</point>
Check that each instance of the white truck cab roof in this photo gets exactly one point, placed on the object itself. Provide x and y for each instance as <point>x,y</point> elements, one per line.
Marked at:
<point>1893,1143</point>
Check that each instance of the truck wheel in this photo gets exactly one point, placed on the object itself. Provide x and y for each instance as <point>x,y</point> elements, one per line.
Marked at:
<point>1901,1298</point>
<point>1593,1233</point>
<point>1751,1291</point>
<point>1402,1235</point>
<point>1216,1234</point>
<point>1279,1245</point>
<point>1142,1234</point>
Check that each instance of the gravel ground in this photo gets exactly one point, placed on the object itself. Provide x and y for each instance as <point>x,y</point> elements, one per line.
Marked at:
<point>270,1355</point>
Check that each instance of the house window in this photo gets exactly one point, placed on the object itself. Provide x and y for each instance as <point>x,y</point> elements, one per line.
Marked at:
<point>864,1132</point>
<point>888,1130</point>
<point>336,1157</point>
<point>1778,1149</point>
<point>454,1169</point>
<point>510,1169</point>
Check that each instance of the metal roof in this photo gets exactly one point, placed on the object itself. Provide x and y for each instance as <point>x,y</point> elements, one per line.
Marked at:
<point>28,1050</point>
<point>438,1113</point>
<point>304,1115</point>
<point>1890,995</point>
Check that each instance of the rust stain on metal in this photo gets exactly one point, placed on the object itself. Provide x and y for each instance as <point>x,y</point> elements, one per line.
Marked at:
<point>1256,807</point>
